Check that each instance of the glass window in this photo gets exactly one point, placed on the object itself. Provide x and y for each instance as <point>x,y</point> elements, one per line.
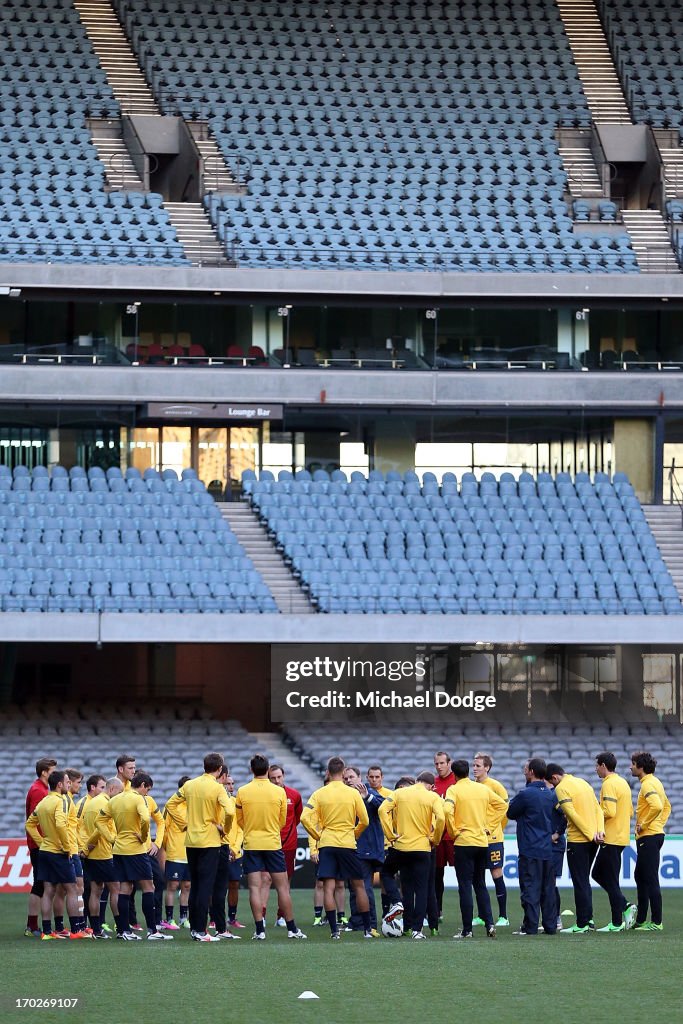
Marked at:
<point>176,450</point>
<point>277,455</point>
<point>659,677</point>
<point>673,457</point>
<point>352,457</point>
<point>144,445</point>
<point>212,455</point>
<point>244,451</point>
<point>441,457</point>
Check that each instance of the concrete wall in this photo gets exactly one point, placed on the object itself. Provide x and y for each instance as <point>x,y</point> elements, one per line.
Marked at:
<point>624,143</point>
<point>120,629</point>
<point>618,392</point>
<point>423,288</point>
<point>234,680</point>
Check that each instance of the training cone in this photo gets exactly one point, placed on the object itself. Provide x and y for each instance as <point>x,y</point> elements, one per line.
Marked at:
<point>308,995</point>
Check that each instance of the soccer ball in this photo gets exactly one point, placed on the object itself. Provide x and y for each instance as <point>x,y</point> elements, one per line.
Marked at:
<point>392,927</point>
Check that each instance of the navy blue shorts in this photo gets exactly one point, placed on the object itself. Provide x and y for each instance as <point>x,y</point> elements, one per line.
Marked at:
<point>176,871</point>
<point>56,868</point>
<point>132,867</point>
<point>99,871</point>
<point>272,861</point>
<point>78,866</point>
<point>338,862</point>
<point>235,869</point>
<point>496,857</point>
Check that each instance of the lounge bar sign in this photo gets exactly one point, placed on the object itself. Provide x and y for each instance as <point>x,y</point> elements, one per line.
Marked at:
<point>242,411</point>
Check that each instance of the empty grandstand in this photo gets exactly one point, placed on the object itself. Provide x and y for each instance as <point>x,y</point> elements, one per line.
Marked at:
<point>353,324</point>
<point>101,542</point>
<point>395,545</point>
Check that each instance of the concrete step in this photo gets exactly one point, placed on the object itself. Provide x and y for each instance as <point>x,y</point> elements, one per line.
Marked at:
<point>594,62</point>
<point>116,56</point>
<point>218,175</point>
<point>287,593</point>
<point>582,174</point>
<point>298,773</point>
<point>195,234</point>
<point>111,150</point>
<point>666,524</point>
<point>650,241</point>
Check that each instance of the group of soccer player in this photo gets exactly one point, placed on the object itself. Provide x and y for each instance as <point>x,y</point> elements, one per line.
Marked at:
<point>90,850</point>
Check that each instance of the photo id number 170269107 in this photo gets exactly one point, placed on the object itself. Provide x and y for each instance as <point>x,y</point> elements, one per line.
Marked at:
<point>46,1003</point>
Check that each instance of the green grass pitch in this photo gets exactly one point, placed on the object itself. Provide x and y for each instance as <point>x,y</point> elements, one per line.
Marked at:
<point>608,978</point>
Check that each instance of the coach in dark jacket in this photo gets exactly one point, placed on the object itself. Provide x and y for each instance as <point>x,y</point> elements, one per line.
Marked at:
<point>370,846</point>
<point>532,809</point>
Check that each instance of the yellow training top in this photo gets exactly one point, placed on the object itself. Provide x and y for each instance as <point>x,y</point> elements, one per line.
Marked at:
<point>175,822</point>
<point>469,806</point>
<point>413,819</point>
<point>261,813</point>
<point>81,834</point>
<point>156,817</point>
<point>578,803</point>
<point>335,815</point>
<point>207,807</point>
<point>653,808</point>
<point>72,825</point>
<point>130,815</point>
<point>101,840</point>
<point>496,821</point>
<point>234,838</point>
<point>51,818</point>
<point>617,807</point>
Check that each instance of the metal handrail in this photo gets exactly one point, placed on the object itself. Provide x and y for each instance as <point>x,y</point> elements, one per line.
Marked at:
<point>419,260</point>
<point>56,251</point>
<point>117,162</point>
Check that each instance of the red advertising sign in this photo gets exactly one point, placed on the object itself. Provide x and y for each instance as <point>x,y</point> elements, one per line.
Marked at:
<point>15,866</point>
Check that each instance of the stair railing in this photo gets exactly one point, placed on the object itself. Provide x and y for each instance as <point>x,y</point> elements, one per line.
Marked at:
<point>118,162</point>
<point>602,164</point>
<point>676,489</point>
<point>213,166</point>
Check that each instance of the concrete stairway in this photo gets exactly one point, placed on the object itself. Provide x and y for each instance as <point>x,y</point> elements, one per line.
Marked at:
<point>582,174</point>
<point>672,161</point>
<point>196,234</point>
<point>666,524</point>
<point>116,57</point>
<point>288,595</point>
<point>297,773</point>
<point>594,62</point>
<point>111,150</point>
<point>218,176</point>
<point>650,241</point>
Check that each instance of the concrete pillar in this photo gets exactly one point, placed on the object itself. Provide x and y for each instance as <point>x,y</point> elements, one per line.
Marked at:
<point>67,455</point>
<point>634,455</point>
<point>565,319</point>
<point>259,327</point>
<point>573,331</point>
<point>321,450</point>
<point>394,445</point>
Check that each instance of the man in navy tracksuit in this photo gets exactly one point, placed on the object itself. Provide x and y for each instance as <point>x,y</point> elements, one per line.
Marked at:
<point>369,848</point>
<point>559,839</point>
<point>532,809</point>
